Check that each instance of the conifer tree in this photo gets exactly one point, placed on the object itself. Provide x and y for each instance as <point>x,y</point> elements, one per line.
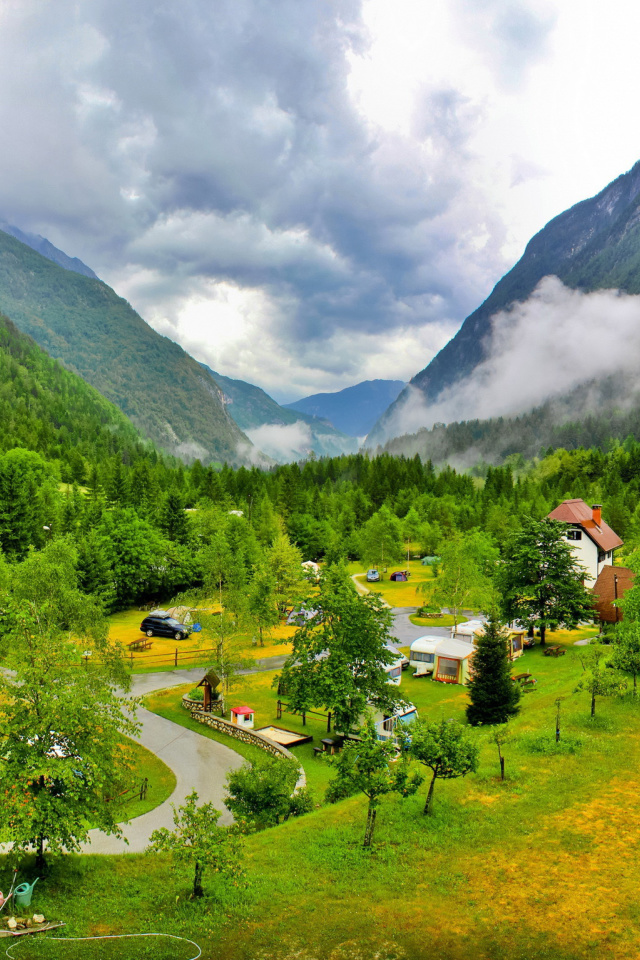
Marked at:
<point>494,696</point>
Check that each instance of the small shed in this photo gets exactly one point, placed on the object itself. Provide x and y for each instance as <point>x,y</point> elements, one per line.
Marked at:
<point>400,575</point>
<point>453,661</point>
<point>209,683</point>
<point>611,586</point>
<point>243,717</point>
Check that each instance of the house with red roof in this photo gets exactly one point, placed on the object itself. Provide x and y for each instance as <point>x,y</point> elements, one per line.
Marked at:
<point>592,541</point>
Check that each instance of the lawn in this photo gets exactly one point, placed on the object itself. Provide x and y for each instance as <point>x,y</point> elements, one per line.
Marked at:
<point>397,594</point>
<point>543,865</point>
<point>193,652</point>
<point>445,620</point>
<point>161,782</point>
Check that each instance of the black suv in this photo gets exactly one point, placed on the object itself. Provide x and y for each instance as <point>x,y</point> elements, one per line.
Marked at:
<point>159,623</point>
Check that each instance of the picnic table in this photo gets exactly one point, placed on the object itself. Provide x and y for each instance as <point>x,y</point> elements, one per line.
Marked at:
<point>519,677</point>
<point>554,651</point>
<point>331,745</point>
<point>143,643</point>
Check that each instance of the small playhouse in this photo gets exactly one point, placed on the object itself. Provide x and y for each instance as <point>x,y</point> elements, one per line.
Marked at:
<point>243,717</point>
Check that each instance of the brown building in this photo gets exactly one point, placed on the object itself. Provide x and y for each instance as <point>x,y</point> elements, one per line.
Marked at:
<point>611,585</point>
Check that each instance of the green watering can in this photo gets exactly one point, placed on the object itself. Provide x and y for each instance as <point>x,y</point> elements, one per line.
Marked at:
<point>22,893</point>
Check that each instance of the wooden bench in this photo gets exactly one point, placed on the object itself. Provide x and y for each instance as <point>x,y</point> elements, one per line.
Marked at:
<point>554,651</point>
<point>142,644</point>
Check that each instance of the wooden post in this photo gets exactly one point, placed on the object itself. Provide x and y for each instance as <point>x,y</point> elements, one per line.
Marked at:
<point>329,722</point>
<point>175,662</point>
<point>279,710</point>
<point>304,718</point>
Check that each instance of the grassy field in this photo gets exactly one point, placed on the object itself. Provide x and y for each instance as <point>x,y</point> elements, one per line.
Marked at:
<point>161,784</point>
<point>445,620</point>
<point>125,627</point>
<point>402,594</point>
<point>543,865</point>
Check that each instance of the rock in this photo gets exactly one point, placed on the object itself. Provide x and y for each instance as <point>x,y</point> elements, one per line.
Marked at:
<point>38,918</point>
<point>12,923</point>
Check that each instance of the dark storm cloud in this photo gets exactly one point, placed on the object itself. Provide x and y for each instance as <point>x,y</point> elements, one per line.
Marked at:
<point>193,140</point>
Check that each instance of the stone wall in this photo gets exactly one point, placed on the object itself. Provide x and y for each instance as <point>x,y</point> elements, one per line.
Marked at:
<point>247,736</point>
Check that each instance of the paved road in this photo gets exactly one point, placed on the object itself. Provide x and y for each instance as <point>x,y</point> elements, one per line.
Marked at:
<point>199,763</point>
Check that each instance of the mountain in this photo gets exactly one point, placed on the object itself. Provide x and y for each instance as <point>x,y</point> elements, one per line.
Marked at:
<point>593,245</point>
<point>281,433</point>
<point>82,322</point>
<point>47,249</point>
<point>50,410</point>
<point>591,415</point>
<point>353,410</point>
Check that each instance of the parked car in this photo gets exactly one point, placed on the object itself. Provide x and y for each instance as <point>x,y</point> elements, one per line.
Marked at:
<point>159,623</point>
<point>372,576</point>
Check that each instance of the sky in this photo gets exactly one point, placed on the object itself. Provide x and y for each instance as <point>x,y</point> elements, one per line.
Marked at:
<point>309,193</point>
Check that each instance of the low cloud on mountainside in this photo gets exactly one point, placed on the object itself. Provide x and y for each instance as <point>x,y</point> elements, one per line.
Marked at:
<point>540,349</point>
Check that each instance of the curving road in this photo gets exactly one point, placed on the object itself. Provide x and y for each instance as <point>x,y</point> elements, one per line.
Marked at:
<point>199,763</point>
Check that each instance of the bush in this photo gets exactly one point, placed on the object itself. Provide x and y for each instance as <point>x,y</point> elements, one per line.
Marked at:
<point>196,694</point>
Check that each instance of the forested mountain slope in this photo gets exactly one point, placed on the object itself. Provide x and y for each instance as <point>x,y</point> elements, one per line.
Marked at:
<point>252,408</point>
<point>47,249</point>
<point>49,410</point>
<point>593,245</point>
<point>609,411</point>
<point>94,332</point>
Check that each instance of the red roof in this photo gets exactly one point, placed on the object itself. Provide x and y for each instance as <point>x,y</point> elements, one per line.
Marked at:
<point>241,711</point>
<point>580,515</point>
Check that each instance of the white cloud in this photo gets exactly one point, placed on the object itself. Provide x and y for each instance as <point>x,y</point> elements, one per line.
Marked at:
<point>539,350</point>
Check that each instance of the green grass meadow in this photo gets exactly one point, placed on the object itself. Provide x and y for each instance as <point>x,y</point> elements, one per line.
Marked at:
<point>542,865</point>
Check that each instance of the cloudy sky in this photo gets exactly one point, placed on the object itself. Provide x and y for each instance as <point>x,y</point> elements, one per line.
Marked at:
<point>309,193</point>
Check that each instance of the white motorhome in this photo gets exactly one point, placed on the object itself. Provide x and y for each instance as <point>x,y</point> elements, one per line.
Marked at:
<point>467,630</point>
<point>386,725</point>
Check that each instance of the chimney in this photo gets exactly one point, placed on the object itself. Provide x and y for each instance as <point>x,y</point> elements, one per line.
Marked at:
<point>597,513</point>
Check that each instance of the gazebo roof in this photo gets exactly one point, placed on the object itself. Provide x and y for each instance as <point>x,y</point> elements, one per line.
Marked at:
<point>211,678</point>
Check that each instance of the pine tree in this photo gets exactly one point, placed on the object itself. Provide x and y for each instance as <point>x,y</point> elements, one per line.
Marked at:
<point>494,695</point>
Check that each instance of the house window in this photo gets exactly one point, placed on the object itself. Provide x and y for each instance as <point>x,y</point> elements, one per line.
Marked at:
<point>447,669</point>
<point>423,657</point>
<point>601,556</point>
<point>574,535</point>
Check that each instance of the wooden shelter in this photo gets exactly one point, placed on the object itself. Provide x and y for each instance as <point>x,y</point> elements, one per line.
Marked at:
<point>209,683</point>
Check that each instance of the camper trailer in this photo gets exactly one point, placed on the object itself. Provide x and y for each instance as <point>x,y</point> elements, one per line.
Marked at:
<point>423,653</point>
<point>387,725</point>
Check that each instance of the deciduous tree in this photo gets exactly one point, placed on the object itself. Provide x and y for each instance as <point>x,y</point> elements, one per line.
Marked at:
<point>199,842</point>
<point>540,583</point>
<point>446,748</point>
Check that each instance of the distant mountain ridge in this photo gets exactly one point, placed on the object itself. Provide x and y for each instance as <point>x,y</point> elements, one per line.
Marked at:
<point>252,408</point>
<point>47,249</point>
<point>353,410</point>
<point>593,245</point>
<point>82,322</point>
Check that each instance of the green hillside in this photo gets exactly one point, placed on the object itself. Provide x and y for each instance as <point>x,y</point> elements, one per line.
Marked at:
<point>45,408</point>
<point>95,333</point>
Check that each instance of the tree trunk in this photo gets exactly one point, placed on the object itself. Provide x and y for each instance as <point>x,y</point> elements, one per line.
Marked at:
<point>427,806</point>
<point>543,634</point>
<point>40,861</point>
<point>593,705</point>
<point>197,880</point>
<point>371,822</point>
<point>502,768</point>
<point>261,640</point>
